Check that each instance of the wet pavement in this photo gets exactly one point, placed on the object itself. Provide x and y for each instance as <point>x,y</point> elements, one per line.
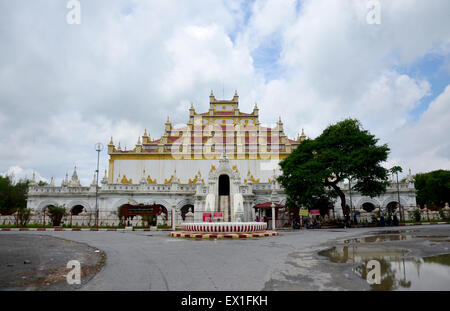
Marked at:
<point>326,259</point>
<point>417,259</point>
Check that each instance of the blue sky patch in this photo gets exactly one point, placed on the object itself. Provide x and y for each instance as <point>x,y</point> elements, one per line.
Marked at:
<point>430,68</point>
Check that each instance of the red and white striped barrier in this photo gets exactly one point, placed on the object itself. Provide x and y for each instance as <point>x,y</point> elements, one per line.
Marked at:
<point>224,227</point>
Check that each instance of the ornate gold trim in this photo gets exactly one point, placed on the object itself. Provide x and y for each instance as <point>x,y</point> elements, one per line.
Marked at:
<point>150,180</point>
<point>193,181</point>
<point>168,181</point>
<point>125,180</point>
<point>254,180</point>
<point>192,156</point>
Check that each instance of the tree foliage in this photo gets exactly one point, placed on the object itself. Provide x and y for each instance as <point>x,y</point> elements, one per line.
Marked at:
<point>433,188</point>
<point>13,196</point>
<point>56,214</point>
<point>396,169</point>
<point>344,150</point>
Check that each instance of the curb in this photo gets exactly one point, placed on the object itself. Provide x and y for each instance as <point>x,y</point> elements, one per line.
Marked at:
<point>73,229</point>
<point>424,223</point>
<point>186,234</point>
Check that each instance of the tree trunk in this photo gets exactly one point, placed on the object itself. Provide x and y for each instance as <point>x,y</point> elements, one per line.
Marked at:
<point>341,195</point>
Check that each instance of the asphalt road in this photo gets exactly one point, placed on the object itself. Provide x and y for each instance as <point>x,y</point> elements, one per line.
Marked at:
<point>39,262</point>
<point>155,261</point>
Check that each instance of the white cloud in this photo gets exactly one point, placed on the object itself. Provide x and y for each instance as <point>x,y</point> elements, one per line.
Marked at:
<point>18,173</point>
<point>131,63</point>
<point>424,145</point>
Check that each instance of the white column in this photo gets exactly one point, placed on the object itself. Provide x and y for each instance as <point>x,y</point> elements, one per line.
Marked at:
<point>173,216</point>
<point>273,216</point>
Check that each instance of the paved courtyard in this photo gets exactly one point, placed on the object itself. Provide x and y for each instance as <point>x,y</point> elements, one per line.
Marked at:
<point>155,261</point>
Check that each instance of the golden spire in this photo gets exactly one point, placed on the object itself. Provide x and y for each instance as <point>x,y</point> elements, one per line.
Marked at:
<point>139,140</point>
<point>145,132</point>
<point>111,141</point>
<point>302,136</point>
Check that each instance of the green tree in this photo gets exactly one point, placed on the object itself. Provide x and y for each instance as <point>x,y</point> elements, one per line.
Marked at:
<point>12,196</point>
<point>23,216</point>
<point>396,169</point>
<point>56,214</point>
<point>433,188</point>
<point>42,183</point>
<point>344,150</point>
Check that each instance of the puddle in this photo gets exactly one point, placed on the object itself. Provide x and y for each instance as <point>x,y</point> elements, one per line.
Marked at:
<point>397,271</point>
<point>391,237</point>
<point>430,236</point>
<point>379,238</point>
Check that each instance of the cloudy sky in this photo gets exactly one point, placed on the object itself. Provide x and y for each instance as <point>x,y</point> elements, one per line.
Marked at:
<point>130,64</point>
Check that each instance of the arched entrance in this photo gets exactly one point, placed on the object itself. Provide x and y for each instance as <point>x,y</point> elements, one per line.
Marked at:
<point>368,207</point>
<point>391,207</point>
<point>76,210</point>
<point>185,209</point>
<point>224,196</point>
<point>148,213</point>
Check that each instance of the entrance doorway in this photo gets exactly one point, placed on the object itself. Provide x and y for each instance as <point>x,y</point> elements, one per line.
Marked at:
<point>224,195</point>
<point>368,207</point>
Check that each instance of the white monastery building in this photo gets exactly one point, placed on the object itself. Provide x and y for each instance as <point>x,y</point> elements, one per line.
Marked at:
<point>223,161</point>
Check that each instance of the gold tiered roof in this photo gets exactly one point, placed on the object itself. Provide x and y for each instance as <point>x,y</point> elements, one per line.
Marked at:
<point>224,128</point>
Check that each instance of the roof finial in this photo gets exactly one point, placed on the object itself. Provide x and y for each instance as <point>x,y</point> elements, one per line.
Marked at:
<point>139,140</point>
<point>111,141</point>
<point>145,132</point>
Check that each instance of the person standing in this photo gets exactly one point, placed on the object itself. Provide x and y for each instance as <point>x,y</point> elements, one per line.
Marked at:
<point>395,220</point>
